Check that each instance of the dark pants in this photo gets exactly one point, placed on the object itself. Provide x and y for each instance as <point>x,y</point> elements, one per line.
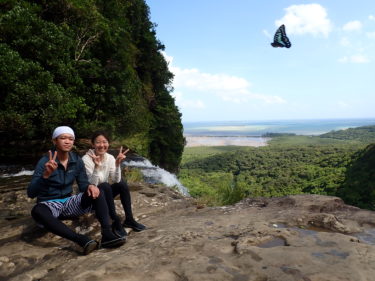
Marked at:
<point>110,192</point>
<point>43,215</point>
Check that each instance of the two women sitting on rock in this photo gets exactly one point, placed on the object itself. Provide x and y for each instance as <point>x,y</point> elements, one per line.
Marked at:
<point>52,183</point>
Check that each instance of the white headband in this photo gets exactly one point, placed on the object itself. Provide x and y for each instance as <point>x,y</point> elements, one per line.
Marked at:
<point>62,130</point>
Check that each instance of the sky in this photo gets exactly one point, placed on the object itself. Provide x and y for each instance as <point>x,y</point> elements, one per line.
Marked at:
<point>226,70</point>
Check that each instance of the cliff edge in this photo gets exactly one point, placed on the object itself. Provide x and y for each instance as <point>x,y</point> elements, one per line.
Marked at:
<point>302,237</point>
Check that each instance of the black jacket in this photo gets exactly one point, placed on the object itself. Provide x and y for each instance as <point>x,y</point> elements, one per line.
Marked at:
<point>60,183</point>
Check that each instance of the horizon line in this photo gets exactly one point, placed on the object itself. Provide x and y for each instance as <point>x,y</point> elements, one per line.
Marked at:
<point>270,120</point>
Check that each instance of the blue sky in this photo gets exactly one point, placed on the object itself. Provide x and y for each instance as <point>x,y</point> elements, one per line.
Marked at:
<point>226,70</point>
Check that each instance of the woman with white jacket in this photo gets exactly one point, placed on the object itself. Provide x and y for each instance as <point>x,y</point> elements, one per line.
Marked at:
<point>104,171</point>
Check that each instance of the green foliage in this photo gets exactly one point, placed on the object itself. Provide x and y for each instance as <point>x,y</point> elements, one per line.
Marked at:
<point>273,135</point>
<point>90,64</point>
<point>338,165</point>
<point>306,140</point>
<point>31,104</point>
<point>359,185</point>
<point>215,188</point>
<point>133,175</point>
<point>267,171</point>
<point>168,132</point>
<point>364,134</point>
<point>200,152</point>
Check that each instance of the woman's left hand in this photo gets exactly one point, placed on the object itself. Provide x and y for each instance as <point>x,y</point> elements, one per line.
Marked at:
<point>121,156</point>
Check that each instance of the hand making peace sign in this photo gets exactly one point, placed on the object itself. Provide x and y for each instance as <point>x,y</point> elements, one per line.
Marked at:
<point>95,158</point>
<point>121,156</point>
<point>51,165</point>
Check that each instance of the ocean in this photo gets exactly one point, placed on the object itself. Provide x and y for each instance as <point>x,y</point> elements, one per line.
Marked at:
<point>259,128</point>
<point>251,132</point>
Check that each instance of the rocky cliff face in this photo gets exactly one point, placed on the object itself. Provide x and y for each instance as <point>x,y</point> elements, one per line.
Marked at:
<point>306,237</point>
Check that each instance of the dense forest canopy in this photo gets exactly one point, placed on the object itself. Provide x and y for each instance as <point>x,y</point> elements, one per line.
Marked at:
<point>269,171</point>
<point>88,64</point>
<point>358,187</point>
<point>340,163</point>
<point>362,134</point>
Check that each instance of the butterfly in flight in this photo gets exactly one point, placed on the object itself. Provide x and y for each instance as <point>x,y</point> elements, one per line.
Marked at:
<point>280,40</point>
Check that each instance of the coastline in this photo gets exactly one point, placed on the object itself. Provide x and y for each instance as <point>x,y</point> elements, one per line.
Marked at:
<point>194,141</point>
<point>260,128</point>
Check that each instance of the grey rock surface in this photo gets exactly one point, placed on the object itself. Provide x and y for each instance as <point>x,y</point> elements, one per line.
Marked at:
<point>302,237</point>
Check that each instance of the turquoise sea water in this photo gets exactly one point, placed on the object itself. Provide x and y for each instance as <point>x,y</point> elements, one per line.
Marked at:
<point>258,128</point>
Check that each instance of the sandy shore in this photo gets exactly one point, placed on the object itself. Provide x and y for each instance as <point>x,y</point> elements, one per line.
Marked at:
<point>192,141</point>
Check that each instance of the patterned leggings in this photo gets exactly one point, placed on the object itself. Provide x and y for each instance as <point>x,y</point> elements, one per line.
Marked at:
<point>46,216</point>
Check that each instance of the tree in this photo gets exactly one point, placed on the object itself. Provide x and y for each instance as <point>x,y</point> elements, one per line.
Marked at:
<point>90,64</point>
<point>359,185</point>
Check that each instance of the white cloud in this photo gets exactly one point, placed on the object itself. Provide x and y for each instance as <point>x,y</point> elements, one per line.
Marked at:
<point>309,18</point>
<point>184,103</point>
<point>354,59</point>
<point>194,79</point>
<point>228,88</point>
<point>354,25</point>
<point>371,17</point>
<point>169,59</point>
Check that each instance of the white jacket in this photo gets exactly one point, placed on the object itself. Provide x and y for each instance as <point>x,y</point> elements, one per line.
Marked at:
<point>106,172</point>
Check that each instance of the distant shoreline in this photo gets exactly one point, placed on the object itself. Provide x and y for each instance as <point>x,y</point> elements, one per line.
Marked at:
<point>219,136</point>
<point>256,141</point>
<point>262,128</point>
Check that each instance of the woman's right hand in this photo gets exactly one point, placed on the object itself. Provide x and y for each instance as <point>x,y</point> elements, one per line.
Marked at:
<point>96,159</point>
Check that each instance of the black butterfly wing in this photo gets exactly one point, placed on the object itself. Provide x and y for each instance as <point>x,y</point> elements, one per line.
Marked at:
<point>277,40</point>
<point>280,39</point>
<point>284,38</point>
